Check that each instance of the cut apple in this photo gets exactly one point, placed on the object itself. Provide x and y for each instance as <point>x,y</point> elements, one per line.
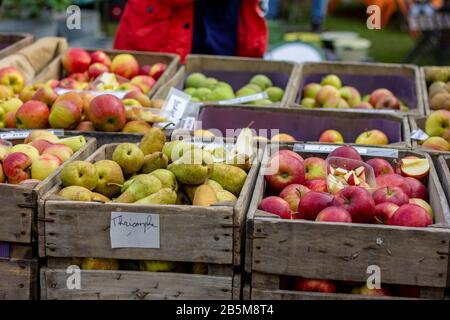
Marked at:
<point>332,170</point>
<point>340,172</point>
<point>352,179</point>
<point>415,168</point>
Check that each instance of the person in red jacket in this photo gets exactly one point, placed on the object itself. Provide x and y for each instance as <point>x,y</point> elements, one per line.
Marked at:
<point>225,27</point>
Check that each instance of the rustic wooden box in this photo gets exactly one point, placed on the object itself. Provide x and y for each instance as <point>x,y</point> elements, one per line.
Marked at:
<point>403,80</point>
<point>12,42</point>
<point>18,274</point>
<point>55,69</point>
<point>20,203</point>
<point>418,122</point>
<point>342,252</point>
<point>212,235</point>
<point>304,124</point>
<point>237,71</point>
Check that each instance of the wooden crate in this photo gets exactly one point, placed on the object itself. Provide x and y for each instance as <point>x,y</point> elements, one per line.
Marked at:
<point>305,124</point>
<point>342,252</point>
<point>236,71</point>
<point>403,80</point>
<point>212,235</point>
<point>442,168</point>
<point>20,203</point>
<point>418,122</point>
<point>55,69</point>
<point>18,274</point>
<point>12,42</point>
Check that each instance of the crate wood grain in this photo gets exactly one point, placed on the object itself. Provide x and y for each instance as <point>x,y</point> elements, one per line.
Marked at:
<point>172,61</point>
<point>19,209</point>
<point>135,285</point>
<point>416,123</point>
<point>207,63</point>
<point>193,234</point>
<point>406,71</point>
<point>424,85</point>
<point>342,252</point>
<point>442,167</point>
<point>13,42</point>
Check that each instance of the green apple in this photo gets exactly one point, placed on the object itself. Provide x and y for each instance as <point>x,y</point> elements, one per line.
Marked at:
<point>74,143</point>
<point>210,83</point>
<point>11,105</point>
<point>110,178</point>
<point>332,80</point>
<point>261,81</point>
<point>308,103</point>
<point>220,93</point>
<point>437,123</point>
<point>30,151</point>
<point>129,157</point>
<point>79,173</point>
<point>190,91</point>
<point>245,91</point>
<point>201,93</point>
<point>44,166</point>
<point>275,94</point>
<point>195,80</point>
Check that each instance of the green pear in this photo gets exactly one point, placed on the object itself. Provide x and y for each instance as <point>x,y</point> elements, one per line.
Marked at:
<point>219,153</point>
<point>254,87</point>
<point>79,173</point>
<point>167,178</point>
<point>225,196</point>
<point>110,177</point>
<point>220,93</point>
<point>262,102</point>
<point>142,186</point>
<point>76,193</point>
<point>190,91</point>
<point>163,196</point>
<point>74,143</point>
<point>193,167</point>
<point>129,157</point>
<point>156,266</point>
<point>210,83</point>
<point>190,189</point>
<point>154,161</point>
<point>204,196</point>
<point>194,80</point>
<point>153,141</point>
<point>201,93</point>
<point>175,149</point>
<point>245,91</point>
<point>261,81</point>
<point>222,84</point>
<point>231,178</point>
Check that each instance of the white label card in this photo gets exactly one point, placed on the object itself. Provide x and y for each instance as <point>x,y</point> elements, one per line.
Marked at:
<point>324,148</point>
<point>245,99</point>
<point>22,134</point>
<point>419,135</point>
<point>134,230</point>
<point>117,93</point>
<point>174,106</point>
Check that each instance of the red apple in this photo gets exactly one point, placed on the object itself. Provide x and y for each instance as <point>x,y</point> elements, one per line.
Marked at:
<point>144,70</point>
<point>46,95</point>
<point>80,77</point>
<point>387,194</point>
<point>97,69</point>
<point>384,211</point>
<point>358,202</point>
<point>41,144</point>
<point>380,166</point>
<point>68,83</point>
<point>285,170</point>
<point>334,214</point>
<point>76,60</point>
<point>422,203</point>
<point>388,102</point>
<point>293,193</point>
<point>379,94</point>
<point>140,97</point>
<point>107,113</point>
<point>313,285</point>
<point>157,70</point>
<point>410,215</point>
<point>393,180</point>
<point>145,83</point>
<point>10,120</point>
<point>331,136</point>
<point>288,152</point>
<point>346,152</point>
<point>314,168</point>
<point>64,115</point>
<point>277,206</point>
<point>418,189</point>
<point>317,185</point>
<point>100,57</point>
<point>125,65</point>
<point>16,166</point>
<point>85,126</point>
<point>32,115</point>
<point>313,203</point>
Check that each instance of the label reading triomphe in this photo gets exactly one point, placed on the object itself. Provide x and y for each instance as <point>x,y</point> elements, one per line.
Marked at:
<point>134,230</point>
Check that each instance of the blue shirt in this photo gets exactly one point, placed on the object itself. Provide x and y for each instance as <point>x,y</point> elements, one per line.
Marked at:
<point>216,24</point>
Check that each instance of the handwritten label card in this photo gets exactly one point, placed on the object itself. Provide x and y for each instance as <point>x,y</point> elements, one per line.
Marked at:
<point>174,106</point>
<point>134,230</point>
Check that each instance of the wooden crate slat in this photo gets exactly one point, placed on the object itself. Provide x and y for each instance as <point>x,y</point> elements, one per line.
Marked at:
<point>17,279</point>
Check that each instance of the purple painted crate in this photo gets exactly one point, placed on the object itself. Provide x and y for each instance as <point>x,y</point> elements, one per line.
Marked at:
<point>5,250</point>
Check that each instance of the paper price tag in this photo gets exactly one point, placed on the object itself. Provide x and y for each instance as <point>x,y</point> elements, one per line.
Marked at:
<point>120,94</point>
<point>419,135</point>
<point>22,134</point>
<point>374,152</point>
<point>245,99</point>
<point>134,230</point>
<point>174,107</point>
<point>188,123</point>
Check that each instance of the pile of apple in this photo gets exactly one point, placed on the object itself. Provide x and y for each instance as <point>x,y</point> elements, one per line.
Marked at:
<point>155,172</point>
<point>203,88</point>
<point>306,189</point>
<point>439,89</point>
<point>437,127</point>
<point>331,94</point>
<point>39,156</point>
<point>38,106</point>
